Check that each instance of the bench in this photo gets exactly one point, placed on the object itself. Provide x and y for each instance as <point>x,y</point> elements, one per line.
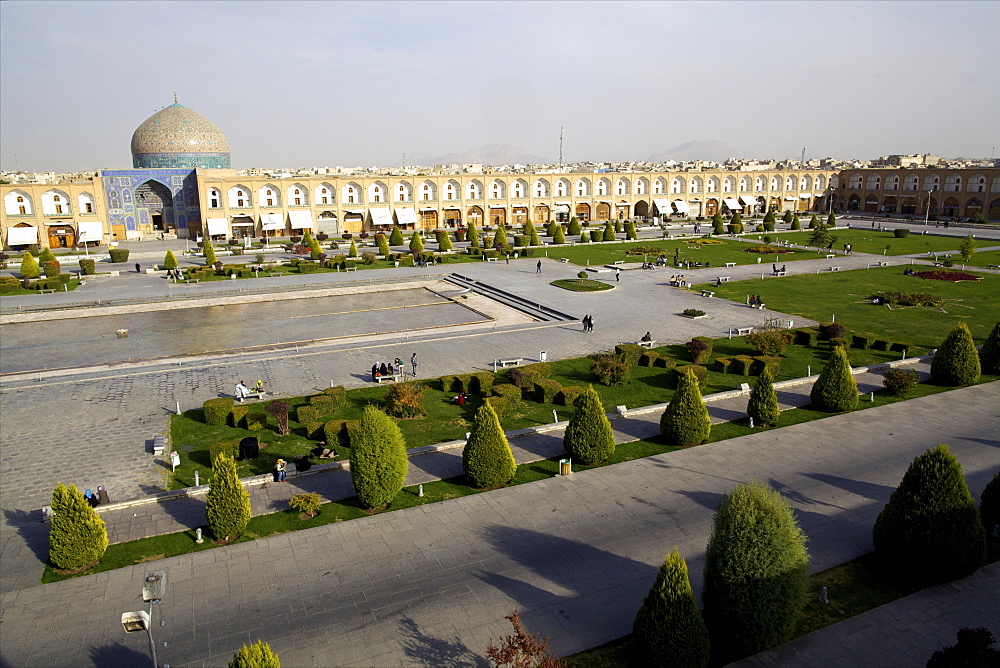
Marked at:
<point>192,280</point>
<point>389,379</point>
<point>252,395</point>
<point>274,274</point>
<point>730,264</point>
<point>993,266</point>
<point>350,268</point>
<point>491,259</point>
<point>882,264</point>
<point>511,362</point>
<point>744,387</point>
<point>722,279</point>
<point>564,260</point>
<point>834,268</point>
<point>159,444</point>
<point>618,262</point>
<point>646,344</point>
<point>45,290</point>
<point>780,273</point>
<point>743,331</point>
<point>707,293</point>
<point>830,257</point>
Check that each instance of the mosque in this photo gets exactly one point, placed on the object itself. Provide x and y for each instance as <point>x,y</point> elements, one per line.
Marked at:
<point>182,184</point>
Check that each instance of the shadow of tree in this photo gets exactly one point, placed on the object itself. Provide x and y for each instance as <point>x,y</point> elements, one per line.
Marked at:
<point>430,651</point>
<point>116,655</point>
<point>869,490</point>
<point>31,529</point>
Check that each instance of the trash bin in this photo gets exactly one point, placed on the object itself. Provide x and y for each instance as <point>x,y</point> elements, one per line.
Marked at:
<point>542,356</point>
<point>565,466</point>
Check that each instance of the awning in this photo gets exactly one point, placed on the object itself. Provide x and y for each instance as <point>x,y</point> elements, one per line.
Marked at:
<point>789,199</point>
<point>732,204</point>
<point>246,224</point>
<point>425,209</point>
<point>562,203</point>
<point>358,212</point>
<point>680,205</point>
<point>663,206</point>
<point>497,206</point>
<point>406,216</point>
<point>272,221</point>
<point>381,216</point>
<point>300,220</point>
<point>217,226</point>
<point>90,230</point>
<point>452,208</point>
<point>747,201</point>
<point>805,196</point>
<point>562,208</point>
<point>22,235</point>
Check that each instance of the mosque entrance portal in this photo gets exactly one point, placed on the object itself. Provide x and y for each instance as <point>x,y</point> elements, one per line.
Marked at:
<point>155,207</point>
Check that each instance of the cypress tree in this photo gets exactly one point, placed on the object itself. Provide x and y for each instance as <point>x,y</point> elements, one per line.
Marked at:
<point>957,361</point>
<point>763,403</point>
<point>584,237</point>
<point>208,250</point>
<point>968,247</point>
<point>444,240</point>
<point>529,229</point>
<point>378,458</point>
<point>169,260</point>
<point>609,232</point>
<point>814,222</point>
<point>630,231</point>
<point>835,391</point>
<point>685,420</point>
<point>353,251</point>
<point>29,266</point>
<point>559,237</point>
<point>473,236</point>
<point>989,504</point>
<point>831,220</point>
<point>737,219</point>
<point>487,459</point>
<point>315,250</point>
<point>550,229</point>
<point>588,437</point>
<point>78,536</point>
<point>396,236</point>
<point>718,223</point>
<point>989,354</point>
<point>769,217</point>
<point>756,573</point>
<point>796,225</point>
<point>930,529</point>
<point>574,226</point>
<point>668,629</point>
<point>256,655</point>
<point>500,237</point>
<point>227,505</point>
<point>787,217</point>
<point>383,245</point>
<point>416,243</point>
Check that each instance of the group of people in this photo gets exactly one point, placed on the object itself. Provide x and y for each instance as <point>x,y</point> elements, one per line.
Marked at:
<point>678,281</point>
<point>755,301</point>
<point>588,323</point>
<point>648,265</point>
<point>774,268</point>
<point>394,368</point>
<point>95,499</point>
<point>242,390</point>
<point>174,274</point>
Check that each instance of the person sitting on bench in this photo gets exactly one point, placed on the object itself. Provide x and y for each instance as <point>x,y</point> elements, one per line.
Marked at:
<point>259,387</point>
<point>648,337</point>
<point>324,452</point>
<point>302,463</point>
<point>383,370</point>
<point>241,390</point>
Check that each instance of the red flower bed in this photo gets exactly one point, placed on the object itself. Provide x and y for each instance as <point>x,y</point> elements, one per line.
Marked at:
<point>953,276</point>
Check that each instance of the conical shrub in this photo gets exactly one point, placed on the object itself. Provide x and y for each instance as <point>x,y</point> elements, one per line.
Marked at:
<point>609,232</point>
<point>574,227</point>
<point>630,231</point>
<point>473,236</point>
<point>169,260</point>
<point>255,655</point>
<point>500,237</point>
<point>835,391</point>
<point>668,629</point>
<point>756,573</point>
<point>416,243</point>
<point>78,536</point>
<point>396,236</point>
<point>227,505</point>
<point>685,420</point>
<point>208,250</point>
<point>487,459</point>
<point>930,530</point>
<point>560,236</point>
<point>718,223</point>
<point>444,240</point>
<point>589,438</point>
<point>796,225</point>
<point>378,458</point>
<point>957,360</point>
<point>353,250</point>
<point>383,245</point>
<point>763,404</point>
<point>989,505</point>
<point>29,266</point>
<point>989,354</point>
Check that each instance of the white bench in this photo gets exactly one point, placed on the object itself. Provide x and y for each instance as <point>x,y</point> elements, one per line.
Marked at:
<point>743,331</point>
<point>744,387</point>
<point>618,262</point>
<point>723,279</point>
<point>192,280</point>
<point>159,444</point>
<point>389,379</point>
<point>830,257</point>
<point>564,260</point>
<point>274,274</point>
<point>646,344</point>
<point>511,362</point>
<point>350,268</point>
<point>47,290</point>
<point>989,266</point>
<point>779,273</point>
<point>491,259</point>
<point>730,264</point>
<point>882,264</point>
<point>252,395</point>
<point>760,306</point>
<point>834,268</point>
<point>707,293</point>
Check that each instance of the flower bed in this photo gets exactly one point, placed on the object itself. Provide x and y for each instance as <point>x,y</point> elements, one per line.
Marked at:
<point>768,250</point>
<point>953,276</point>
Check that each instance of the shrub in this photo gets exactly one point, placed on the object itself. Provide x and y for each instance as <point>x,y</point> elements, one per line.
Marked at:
<point>396,236</point>
<point>974,649</point>
<point>279,409</point>
<point>741,365</point>
<point>170,260</point>
<point>308,267</point>
<point>668,629</point>
<point>450,384</point>
<point>9,284</point>
<point>338,396</point>
<point>486,458</point>
<point>839,342</point>
<point>588,437</point>
<point>237,416</point>
<point>930,530</point>
<point>989,504</point>
<point>256,655</point>
<point>227,505</point>
<point>756,573</point>
<point>444,241</point>
<point>416,243</point>
<point>230,448</point>
<point>989,354</point>
<point>87,267</point>
<point>306,414</point>
<point>484,383</point>
<point>121,254</point>
<point>560,235</point>
<point>700,349</point>
<point>500,406</point>
<point>378,459</point>
<point>51,269</point>
<point>648,358</point>
<point>796,225</point>
<point>863,341</point>
<point>900,347</point>
<point>256,421</point>
<point>957,360</point>
<point>608,234</point>
<point>611,370</point>
<point>831,330</point>
<point>405,400</point>
<point>630,231</point>
<point>582,274</point>
<point>568,395</point>
<point>29,266</point>
<point>464,382</point>
<point>718,224</point>
<point>595,235</point>
<point>835,390</point>
<point>500,237</point>
<point>807,336</point>
<point>763,404</point>
<point>693,312</point>
<point>765,362</point>
<point>574,226</point>
<point>473,236</point>
<point>525,377</point>
<point>770,342</point>
<point>546,390</point>
<point>685,420</point>
<point>338,432</point>
<point>901,233</point>
<point>899,382</point>
<point>78,536</point>
<point>968,247</point>
<point>512,393</point>
<point>722,364</point>
<point>630,352</point>
<point>217,411</point>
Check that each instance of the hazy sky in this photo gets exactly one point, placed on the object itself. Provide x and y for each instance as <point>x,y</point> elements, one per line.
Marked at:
<point>340,83</point>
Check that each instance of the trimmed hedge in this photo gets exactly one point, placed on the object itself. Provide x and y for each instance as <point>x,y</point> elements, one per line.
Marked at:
<point>217,411</point>
<point>700,373</point>
<point>807,336</point>
<point>863,341</point>
<point>835,390</point>
<point>500,406</point>
<point>568,395</point>
<point>957,360</point>
<point>231,448</point>
<point>338,396</point>
<point>484,382</point>
<point>761,362</point>
<point>511,393</point>
<point>722,364</point>
<point>338,432</point>
<point>238,416</point>
<point>118,254</point>
<point>486,458</point>
<point>630,352</point>
<point>450,384</point>
<point>546,391</point>
<point>256,421</point>
<point>685,421</point>
<point>588,438</point>
<point>87,267</point>
<point>740,365</point>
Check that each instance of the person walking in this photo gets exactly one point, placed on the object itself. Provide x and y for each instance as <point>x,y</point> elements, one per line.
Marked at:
<point>538,267</point>
<point>586,322</point>
<point>618,273</point>
<point>138,268</point>
<point>507,257</point>
<point>590,323</point>
<point>413,361</point>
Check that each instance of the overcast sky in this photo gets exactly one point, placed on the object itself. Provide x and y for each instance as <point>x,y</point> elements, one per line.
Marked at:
<point>341,83</point>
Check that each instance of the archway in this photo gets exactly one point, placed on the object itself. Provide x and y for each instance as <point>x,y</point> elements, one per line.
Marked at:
<point>603,211</point>
<point>475,215</point>
<point>950,207</point>
<point>775,204</point>
<point>428,219</point>
<point>908,206</point>
<point>519,215</point>
<point>61,236</point>
<point>711,206</point>
<point>889,204</point>
<point>871,204</point>
<point>853,203</point>
<point>994,213</point>
<point>542,214</point>
<point>583,212</point>
<point>642,209</point>
<point>973,207</point>
<point>154,207</point>
<point>498,217</point>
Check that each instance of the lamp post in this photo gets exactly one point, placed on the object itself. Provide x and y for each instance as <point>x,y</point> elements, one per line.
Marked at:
<point>153,588</point>
<point>832,191</point>
<point>927,213</point>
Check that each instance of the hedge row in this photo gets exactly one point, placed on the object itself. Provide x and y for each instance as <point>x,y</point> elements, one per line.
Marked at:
<point>747,365</point>
<point>224,411</point>
<point>811,336</point>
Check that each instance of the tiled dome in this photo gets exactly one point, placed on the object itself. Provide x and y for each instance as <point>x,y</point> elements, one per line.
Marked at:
<point>177,136</point>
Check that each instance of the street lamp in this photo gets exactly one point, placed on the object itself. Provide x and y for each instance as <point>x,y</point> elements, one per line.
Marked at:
<point>927,214</point>
<point>153,588</point>
<point>832,191</point>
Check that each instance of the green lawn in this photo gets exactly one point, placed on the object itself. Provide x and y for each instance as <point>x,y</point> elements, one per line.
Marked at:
<point>979,259</point>
<point>582,285</point>
<point>875,241</point>
<point>717,254</point>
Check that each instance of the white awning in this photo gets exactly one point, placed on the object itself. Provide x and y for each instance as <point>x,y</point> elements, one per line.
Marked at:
<point>359,212</point>
<point>747,201</point>
<point>217,226</point>
<point>562,203</point>
<point>22,235</point>
<point>300,220</point>
<point>663,206</point>
<point>497,206</point>
<point>90,230</point>
<point>452,208</point>
<point>732,204</point>
<point>406,216</point>
<point>562,207</point>
<point>789,199</point>
<point>272,221</point>
<point>805,196</point>
<point>425,209</point>
<point>680,205</point>
<point>381,216</point>
<point>245,224</point>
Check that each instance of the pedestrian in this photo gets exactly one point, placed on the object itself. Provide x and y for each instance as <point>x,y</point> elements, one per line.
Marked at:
<point>506,257</point>
<point>586,320</point>
<point>413,361</point>
<point>138,268</point>
<point>618,273</point>
<point>538,267</point>
<point>279,471</point>
<point>590,323</point>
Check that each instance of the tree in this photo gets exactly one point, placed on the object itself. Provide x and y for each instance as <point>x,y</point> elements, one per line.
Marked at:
<point>930,530</point>
<point>685,420</point>
<point>989,504</point>
<point>444,240</point>
<point>796,225</point>
<point>487,459</point>
<point>967,247</point>
<point>718,223</point>
<point>532,234</point>
<point>255,655</point>
<point>473,236</point>
<point>574,226</point>
<point>560,236</point>
<point>584,237</point>
<point>378,459</point>
<point>763,403</point>
<point>383,245</point>
<point>609,232</point>
<point>279,409</point>
<point>630,231</point>
<point>989,354</point>
<point>169,261</point>
<point>500,237</point>
<point>315,250</point>
<point>756,573</point>
<point>522,649</point>
<point>227,505</point>
<point>668,629</point>
<point>208,250</point>
<point>78,536</point>
<point>769,217</point>
<point>831,220</point>
<point>353,251</point>
<point>957,361</point>
<point>416,243</point>
<point>835,391</point>
<point>396,236</point>
<point>29,266</point>
<point>814,222</point>
<point>974,649</point>
<point>588,437</point>
<point>787,218</point>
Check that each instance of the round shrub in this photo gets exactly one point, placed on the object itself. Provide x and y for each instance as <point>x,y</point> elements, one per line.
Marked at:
<point>611,370</point>
<point>121,254</point>
<point>217,411</point>
<point>901,233</point>
<point>957,360</point>
<point>899,382</point>
<point>487,459</point>
<point>87,267</point>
